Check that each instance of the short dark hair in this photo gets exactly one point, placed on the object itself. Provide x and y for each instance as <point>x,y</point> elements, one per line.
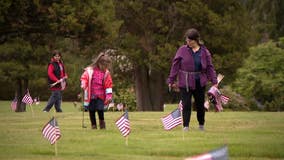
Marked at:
<point>192,34</point>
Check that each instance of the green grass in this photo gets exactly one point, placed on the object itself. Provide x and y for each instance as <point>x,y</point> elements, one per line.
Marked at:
<point>249,135</point>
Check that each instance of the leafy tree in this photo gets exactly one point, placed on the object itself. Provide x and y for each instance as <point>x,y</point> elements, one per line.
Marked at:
<point>19,63</point>
<point>152,31</point>
<point>30,29</point>
<point>261,77</point>
<point>267,16</point>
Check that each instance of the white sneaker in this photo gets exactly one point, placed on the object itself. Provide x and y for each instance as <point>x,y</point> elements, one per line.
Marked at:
<point>186,129</point>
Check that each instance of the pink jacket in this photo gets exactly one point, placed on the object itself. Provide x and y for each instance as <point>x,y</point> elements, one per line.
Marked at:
<point>102,86</point>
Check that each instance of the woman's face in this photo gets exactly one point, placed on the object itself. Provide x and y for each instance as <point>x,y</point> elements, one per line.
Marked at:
<point>190,42</point>
<point>57,57</point>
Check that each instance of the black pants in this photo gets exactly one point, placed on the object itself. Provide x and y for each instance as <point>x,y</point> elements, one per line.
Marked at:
<point>96,105</point>
<point>199,98</point>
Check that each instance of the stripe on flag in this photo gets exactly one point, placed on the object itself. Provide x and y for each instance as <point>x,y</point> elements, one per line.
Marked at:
<point>51,131</point>
<point>172,120</point>
<point>180,106</point>
<point>224,99</point>
<point>14,104</point>
<point>27,98</point>
<point>217,154</point>
<point>123,124</point>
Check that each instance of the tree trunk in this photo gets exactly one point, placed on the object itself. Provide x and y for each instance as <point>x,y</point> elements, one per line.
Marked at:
<point>21,90</point>
<point>149,89</point>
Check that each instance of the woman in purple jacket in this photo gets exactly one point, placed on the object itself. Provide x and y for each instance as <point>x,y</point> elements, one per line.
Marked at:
<point>192,66</point>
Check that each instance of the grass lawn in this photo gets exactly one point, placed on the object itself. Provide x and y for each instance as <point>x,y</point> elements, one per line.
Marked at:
<point>249,136</point>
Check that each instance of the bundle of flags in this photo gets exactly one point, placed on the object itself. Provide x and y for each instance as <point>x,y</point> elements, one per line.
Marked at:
<point>123,124</point>
<point>173,119</point>
<point>216,97</point>
<point>51,131</point>
<point>217,154</point>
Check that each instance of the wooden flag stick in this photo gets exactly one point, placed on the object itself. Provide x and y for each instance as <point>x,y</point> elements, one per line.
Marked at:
<point>126,140</point>
<point>55,144</point>
<point>55,148</point>
<point>32,110</point>
<point>182,125</point>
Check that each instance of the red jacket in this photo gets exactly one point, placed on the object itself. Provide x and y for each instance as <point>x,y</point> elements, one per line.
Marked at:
<point>101,85</point>
<point>55,72</point>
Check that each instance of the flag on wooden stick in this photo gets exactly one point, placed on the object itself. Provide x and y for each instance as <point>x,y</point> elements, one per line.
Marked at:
<point>123,124</point>
<point>14,104</point>
<point>27,98</point>
<point>172,120</point>
<point>51,131</point>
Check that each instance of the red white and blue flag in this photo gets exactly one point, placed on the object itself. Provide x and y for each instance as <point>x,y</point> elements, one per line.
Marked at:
<point>51,131</point>
<point>14,104</point>
<point>180,106</point>
<point>172,120</point>
<point>224,99</point>
<point>36,100</point>
<point>27,98</point>
<point>217,154</point>
<point>123,124</point>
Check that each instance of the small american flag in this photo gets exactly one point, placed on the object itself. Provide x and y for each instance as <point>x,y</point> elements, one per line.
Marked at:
<point>172,120</point>
<point>36,100</point>
<point>14,104</point>
<point>27,98</point>
<point>224,99</point>
<point>217,154</point>
<point>51,131</point>
<point>123,124</point>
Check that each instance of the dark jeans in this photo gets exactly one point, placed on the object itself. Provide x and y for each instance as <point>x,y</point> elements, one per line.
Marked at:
<point>96,105</point>
<point>55,99</point>
<point>199,98</point>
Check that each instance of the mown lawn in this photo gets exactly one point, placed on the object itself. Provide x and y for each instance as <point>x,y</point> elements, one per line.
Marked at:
<point>249,135</point>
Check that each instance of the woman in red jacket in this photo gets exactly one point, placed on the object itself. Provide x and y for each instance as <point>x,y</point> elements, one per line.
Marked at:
<point>96,82</point>
<point>56,80</point>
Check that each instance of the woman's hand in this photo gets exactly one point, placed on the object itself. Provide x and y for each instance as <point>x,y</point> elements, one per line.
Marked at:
<point>215,85</point>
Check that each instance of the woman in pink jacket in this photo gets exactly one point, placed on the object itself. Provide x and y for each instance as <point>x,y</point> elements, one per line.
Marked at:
<point>96,82</point>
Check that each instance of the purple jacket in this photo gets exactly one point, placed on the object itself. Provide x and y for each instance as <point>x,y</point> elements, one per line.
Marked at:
<point>183,67</point>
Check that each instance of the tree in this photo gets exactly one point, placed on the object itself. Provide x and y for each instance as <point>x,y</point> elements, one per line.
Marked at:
<point>19,63</point>
<point>152,31</point>
<point>31,29</point>
<point>261,77</point>
<point>267,16</point>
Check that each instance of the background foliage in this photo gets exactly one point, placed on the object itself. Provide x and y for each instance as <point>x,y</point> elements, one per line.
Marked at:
<point>262,78</point>
<point>144,36</point>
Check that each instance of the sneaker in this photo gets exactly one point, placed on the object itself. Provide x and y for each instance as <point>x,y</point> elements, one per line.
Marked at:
<point>45,111</point>
<point>186,129</point>
<point>201,127</point>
